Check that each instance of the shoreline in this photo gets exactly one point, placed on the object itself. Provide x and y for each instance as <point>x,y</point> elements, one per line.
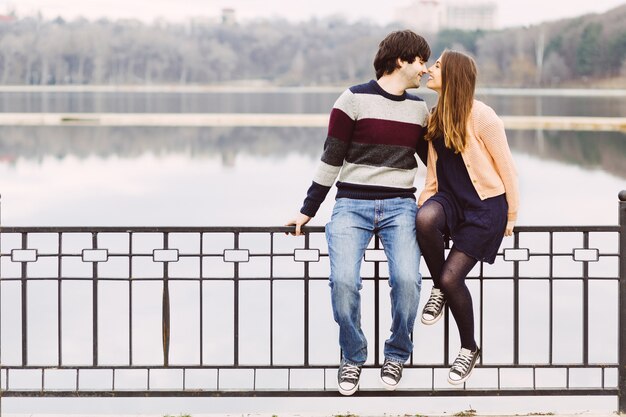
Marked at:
<point>257,88</point>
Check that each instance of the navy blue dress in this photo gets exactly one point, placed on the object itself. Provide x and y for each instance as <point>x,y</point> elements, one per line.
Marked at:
<point>475,226</point>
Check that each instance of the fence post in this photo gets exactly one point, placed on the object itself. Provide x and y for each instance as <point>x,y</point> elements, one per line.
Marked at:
<point>1,315</point>
<point>621,396</point>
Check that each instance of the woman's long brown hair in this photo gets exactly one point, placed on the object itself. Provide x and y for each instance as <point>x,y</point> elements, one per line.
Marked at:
<point>458,80</point>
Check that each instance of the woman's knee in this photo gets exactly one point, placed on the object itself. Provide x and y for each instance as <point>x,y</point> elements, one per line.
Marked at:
<point>422,221</point>
<point>450,282</point>
<point>426,218</point>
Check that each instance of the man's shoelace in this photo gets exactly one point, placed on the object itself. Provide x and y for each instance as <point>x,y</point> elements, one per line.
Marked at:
<point>393,368</point>
<point>462,363</point>
<point>349,372</point>
<point>435,302</point>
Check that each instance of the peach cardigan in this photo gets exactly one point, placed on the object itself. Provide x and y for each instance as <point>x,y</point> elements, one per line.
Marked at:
<point>487,158</point>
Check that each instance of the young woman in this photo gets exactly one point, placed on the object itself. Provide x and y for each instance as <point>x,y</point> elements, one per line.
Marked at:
<point>470,195</point>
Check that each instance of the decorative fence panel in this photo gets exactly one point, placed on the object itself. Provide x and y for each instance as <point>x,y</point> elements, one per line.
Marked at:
<point>245,311</point>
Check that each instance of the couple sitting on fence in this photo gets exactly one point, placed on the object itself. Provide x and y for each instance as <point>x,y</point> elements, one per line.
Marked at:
<point>470,195</point>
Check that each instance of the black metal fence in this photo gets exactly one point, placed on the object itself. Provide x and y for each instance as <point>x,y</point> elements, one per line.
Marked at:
<point>245,311</point>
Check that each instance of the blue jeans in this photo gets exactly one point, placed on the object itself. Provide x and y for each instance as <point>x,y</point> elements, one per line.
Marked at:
<point>352,226</point>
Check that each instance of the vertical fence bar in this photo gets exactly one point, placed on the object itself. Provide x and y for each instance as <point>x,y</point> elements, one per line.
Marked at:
<point>306,271</point>
<point>60,303</point>
<point>94,272</point>
<point>201,294</point>
<point>585,302</point>
<point>377,305</point>
<point>166,306</point>
<point>551,302</point>
<point>446,318</point>
<point>481,282</point>
<point>306,303</point>
<point>622,304</point>
<point>130,299</point>
<point>1,312</point>
<point>236,305</point>
<point>446,336</point>
<point>516,304</point>
<point>481,334</point>
<point>24,305</point>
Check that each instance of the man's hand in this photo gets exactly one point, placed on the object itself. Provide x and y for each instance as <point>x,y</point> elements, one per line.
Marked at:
<point>509,228</point>
<point>299,221</point>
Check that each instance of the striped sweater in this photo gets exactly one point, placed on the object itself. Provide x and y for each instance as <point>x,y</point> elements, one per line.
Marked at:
<point>372,140</point>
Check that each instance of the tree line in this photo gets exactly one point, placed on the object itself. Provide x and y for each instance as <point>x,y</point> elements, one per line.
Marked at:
<point>330,51</point>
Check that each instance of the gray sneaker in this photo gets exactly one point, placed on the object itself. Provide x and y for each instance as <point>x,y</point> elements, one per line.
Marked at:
<point>463,366</point>
<point>348,378</point>
<point>390,374</point>
<point>433,310</point>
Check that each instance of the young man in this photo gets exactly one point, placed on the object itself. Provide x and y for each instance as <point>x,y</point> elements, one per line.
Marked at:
<point>374,132</point>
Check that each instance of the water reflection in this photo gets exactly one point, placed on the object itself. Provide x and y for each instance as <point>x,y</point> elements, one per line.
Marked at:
<point>556,106</point>
<point>82,142</point>
<point>589,150</point>
<point>167,102</point>
<point>280,102</point>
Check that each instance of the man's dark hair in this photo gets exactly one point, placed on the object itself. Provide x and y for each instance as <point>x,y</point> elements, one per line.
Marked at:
<point>404,44</point>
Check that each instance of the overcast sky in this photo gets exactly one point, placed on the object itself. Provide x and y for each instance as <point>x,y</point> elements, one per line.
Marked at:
<point>511,12</point>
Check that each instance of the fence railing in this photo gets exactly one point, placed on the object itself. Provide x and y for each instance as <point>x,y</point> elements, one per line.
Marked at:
<point>245,311</point>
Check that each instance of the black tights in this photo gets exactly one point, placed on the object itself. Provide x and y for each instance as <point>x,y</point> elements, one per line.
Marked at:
<point>448,274</point>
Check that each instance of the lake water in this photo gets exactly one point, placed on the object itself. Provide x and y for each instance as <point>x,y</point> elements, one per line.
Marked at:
<point>140,176</point>
<point>93,176</point>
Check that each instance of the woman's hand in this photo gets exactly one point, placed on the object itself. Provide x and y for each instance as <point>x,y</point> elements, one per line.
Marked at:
<point>509,228</point>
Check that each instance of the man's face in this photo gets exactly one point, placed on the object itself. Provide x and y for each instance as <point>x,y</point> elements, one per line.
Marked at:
<point>413,72</point>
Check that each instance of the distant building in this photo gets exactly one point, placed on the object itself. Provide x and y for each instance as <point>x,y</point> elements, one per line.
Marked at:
<point>431,16</point>
<point>470,16</point>
<point>423,15</point>
<point>228,16</point>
